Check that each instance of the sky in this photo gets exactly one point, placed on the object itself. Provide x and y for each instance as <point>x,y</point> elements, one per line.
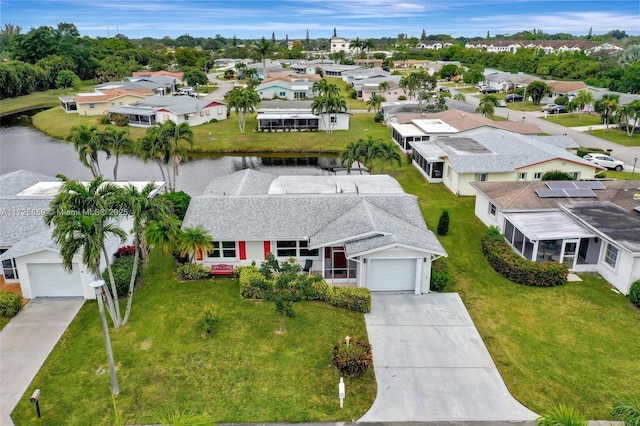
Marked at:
<point>351,18</point>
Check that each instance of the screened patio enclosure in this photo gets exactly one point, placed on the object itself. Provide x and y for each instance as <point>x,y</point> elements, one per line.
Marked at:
<point>283,122</point>
<point>552,237</point>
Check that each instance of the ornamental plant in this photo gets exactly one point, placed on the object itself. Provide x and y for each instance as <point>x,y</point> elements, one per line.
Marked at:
<point>352,358</point>
<point>210,317</point>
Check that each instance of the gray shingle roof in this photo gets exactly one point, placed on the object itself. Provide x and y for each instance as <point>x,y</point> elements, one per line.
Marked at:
<point>366,221</point>
<point>244,182</point>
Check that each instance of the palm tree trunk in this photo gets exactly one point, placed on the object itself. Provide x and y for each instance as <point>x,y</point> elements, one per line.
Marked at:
<point>118,320</point>
<point>115,168</point>
<point>132,282</point>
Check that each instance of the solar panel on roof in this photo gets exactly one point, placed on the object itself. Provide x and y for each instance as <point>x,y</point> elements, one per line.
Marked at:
<point>590,184</point>
<point>551,193</point>
<point>560,185</point>
<point>580,193</point>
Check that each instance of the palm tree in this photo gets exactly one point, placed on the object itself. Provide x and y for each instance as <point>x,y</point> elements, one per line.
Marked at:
<point>583,98</point>
<point>607,106</point>
<point>88,145</point>
<point>263,47</point>
<point>151,146</point>
<point>118,141</point>
<point>143,208</point>
<point>383,86</point>
<point>356,44</point>
<point>349,155</point>
<point>164,234</point>
<point>629,114</point>
<point>179,135</point>
<point>459,96</point>
<point>328,105</point>
<point>387,152</point>
<point>487,106</point>
<point>244,102</point>
<point>83,218</point>
<point>368,44</point>
<point>375,102</point>
<point>194,239</point>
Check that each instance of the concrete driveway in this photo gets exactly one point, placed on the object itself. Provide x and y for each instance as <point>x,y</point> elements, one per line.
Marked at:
<point>25,343</point>
<point>432,366</point>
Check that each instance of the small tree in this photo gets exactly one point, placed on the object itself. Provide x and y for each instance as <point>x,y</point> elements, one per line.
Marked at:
<point>556,175</point>
<point>284,292</point>
<point>443,223</point>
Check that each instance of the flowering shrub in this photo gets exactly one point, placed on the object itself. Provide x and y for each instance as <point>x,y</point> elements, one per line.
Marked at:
<point>125,251</point>
<point>352,358</point>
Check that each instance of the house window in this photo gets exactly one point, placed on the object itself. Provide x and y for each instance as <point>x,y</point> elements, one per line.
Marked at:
<point>537,176</point>
<point>295,249</point>
<point>113,103</point>
<point>611,256</point>
<point>300,95</point>
<point>186,117</point>
<point>575,175</point>
<point>522,176</point>
<point>282,94</point>
<point>92,106</point>
<point>481,177</point>
<point>9,268</point>
<point>223,249</point>
<point>334,120</point>
<point>492,209</point>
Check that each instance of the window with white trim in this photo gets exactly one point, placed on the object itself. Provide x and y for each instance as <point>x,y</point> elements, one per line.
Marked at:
<point>492,209</point>
<point>9,268</point>
<point>223,249</point>
<point>574,175</point>
<point>611,256</point>
<point>522,175</point>
<point>537,176</point>
<point>481,177</point>
<point>293,248</point>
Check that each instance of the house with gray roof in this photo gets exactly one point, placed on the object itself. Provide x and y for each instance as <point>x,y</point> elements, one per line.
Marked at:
<point>286,88</point>
<point>295,116</point>
<point>179,109</point>
<point>28,254</point>
<point>591,226</point>
<point>496,155</point>
<point>361,230</point>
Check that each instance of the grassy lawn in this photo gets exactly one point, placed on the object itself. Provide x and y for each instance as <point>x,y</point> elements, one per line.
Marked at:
<point>573,344</point>
<point>573,120</point>
<point>243,372</point>
<point>225,136</point>
<point>617,136</point>
<point>38,100</point>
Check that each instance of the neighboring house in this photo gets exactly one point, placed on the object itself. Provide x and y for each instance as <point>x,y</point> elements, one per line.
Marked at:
<point>160,85</point>
<point>505,81</point>
<point>405,111</point>
<point>366,88</point>
<point>284,116</point>
<point>590,226</point>
<point>433,45</point>
<point>179,109</point>
<point>269,67</point>
<point>340,44</point>
<point>28,254</point>
<point>355,230</point>
<point>565,88</point>
<point>352,77</point>
<point>337,70</point>
<point>175,75</point>
<point>289,88</point>
<point>546,46</point>
<point>100,102</point>
<point>496,155</point>
<point>414,127</point>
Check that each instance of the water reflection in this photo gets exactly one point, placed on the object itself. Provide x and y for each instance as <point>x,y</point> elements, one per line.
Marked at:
<point>23,147</point>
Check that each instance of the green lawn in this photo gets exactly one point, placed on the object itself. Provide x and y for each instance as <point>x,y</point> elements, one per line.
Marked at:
<point>225,135</point>
<point>576,344</point>
<point>243,372</point>
<point>574,120</point>
<point>618,136</point>
<point>38,100</point>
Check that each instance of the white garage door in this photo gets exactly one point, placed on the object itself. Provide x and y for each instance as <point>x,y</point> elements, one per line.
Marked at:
<point>51,280</point>
<point>392,275</point>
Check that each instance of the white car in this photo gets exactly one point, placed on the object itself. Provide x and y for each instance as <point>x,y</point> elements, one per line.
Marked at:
<point>605,161</point>
<point>502,103</point>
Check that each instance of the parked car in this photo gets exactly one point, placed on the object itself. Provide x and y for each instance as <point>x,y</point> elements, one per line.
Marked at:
<point>444,89</point>
<point>605,160</point>
<point>557,109</point>
<point>544,108</point>
<point>502,103</point>
<point>513,97</point>
<point>489,90</point>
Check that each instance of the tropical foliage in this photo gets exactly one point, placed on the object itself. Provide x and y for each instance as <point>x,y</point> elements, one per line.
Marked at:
<point>369,152</point>
<point>243,101</point>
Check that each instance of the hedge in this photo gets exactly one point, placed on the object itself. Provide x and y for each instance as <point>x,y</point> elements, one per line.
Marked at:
<point>634,293</point>
<point>10,304</point>
<point>253,285</point>
<point>515,268</point>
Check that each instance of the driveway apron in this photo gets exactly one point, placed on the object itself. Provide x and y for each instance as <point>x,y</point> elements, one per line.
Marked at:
<point>25,343</point>
<point>431,364</point>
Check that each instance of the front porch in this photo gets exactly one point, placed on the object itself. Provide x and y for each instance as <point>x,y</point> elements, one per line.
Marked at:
<point>552,237</point>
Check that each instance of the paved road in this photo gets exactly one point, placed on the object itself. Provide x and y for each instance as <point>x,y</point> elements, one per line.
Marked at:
<point>25,343</point>
<point>431,364</point>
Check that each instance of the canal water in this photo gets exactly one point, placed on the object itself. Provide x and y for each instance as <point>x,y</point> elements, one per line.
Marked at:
<point>23,147</point>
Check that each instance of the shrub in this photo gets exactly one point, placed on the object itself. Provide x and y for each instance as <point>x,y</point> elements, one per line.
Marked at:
<point>209,318</point>
<point>515,268</point>
<point>556,175</point>
<point>561,415</point>
<point>253,285</point>
<point>402,98</point>
<point>180,201</point>
<point>105,119</point>
<point>439,275</point>
<point>10,304</point>
<point>634,293</point>
<point>443,223</point>
<point>125,251</point>
<point>352,359</point>
<point>582,151</point>
<point>120,120</point>
<point>192,271</point>
<point>352,298</point>
<point>379,117</point>
<point>122,268</point>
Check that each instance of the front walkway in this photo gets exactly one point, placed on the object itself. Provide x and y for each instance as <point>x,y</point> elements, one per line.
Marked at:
<point>432,366</point>
<point>25,343</point>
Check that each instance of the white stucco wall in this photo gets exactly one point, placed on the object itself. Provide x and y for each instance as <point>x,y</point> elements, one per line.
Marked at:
<point>423,269</point>
<point>627,269</point>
